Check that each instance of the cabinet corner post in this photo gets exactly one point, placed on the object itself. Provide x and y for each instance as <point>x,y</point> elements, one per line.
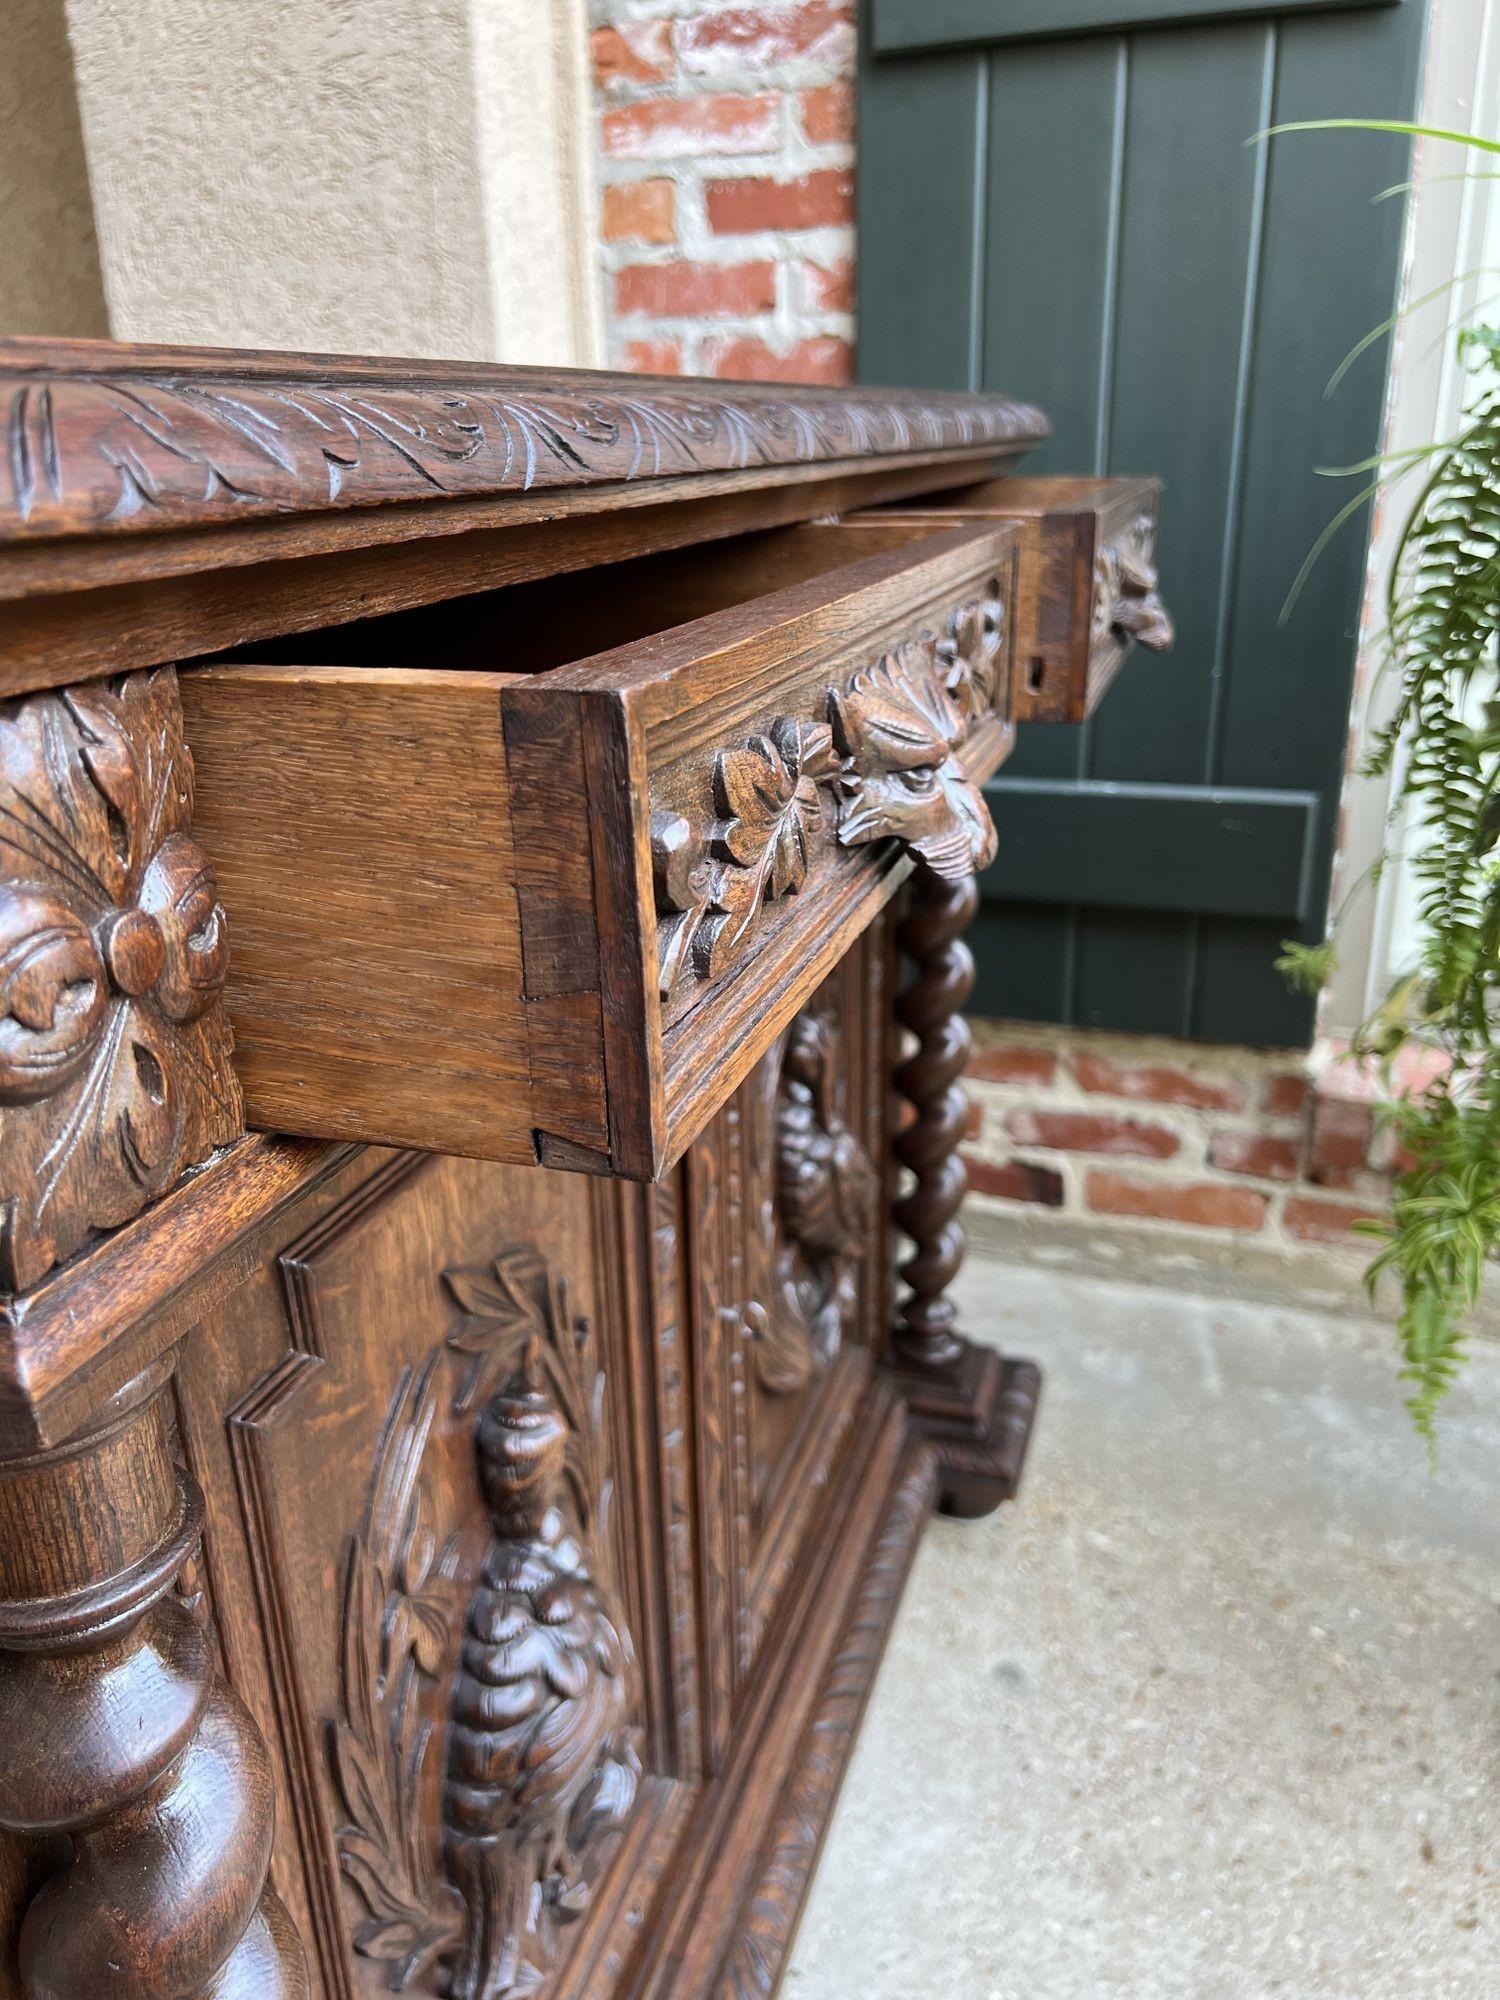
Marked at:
<point>124,1736</point>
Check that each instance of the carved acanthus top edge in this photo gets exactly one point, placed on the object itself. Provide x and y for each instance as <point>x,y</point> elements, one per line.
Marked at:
<point>188,440</point>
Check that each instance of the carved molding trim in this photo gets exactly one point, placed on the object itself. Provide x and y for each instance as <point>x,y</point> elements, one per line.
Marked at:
<point>754,1962</point>
<point>880,762</point>
<point>174,442</point>
<point>1126,605</point>
<point>115,1070</point>
<point>543,1749</point>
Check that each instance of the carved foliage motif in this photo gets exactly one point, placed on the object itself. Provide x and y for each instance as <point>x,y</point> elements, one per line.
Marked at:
<point>713,880</point>
<point>115,1067</point>
<point>1126,604</point>
<point>542,1757</point>
<point>815,1194</point>
<point>121,452</point>
<point>879,763</point>
<point>400,1607</point>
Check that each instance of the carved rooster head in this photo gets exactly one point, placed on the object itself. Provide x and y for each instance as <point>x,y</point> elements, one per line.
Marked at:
<point>897,730</point>
<point>521,1442</point>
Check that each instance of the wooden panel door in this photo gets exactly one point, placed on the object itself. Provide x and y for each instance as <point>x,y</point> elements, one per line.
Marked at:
<point>435,1482</point>
<point>1061,201</point>
<point>788,1250</point>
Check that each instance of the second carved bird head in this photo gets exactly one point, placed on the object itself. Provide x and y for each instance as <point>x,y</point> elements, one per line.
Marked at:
<point>898,732</point>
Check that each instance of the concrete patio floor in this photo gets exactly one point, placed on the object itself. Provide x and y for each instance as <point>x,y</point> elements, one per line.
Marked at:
<point>1213,1712</point>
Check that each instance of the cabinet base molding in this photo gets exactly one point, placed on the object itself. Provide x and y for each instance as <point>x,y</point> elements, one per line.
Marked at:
<point>761,1820</point>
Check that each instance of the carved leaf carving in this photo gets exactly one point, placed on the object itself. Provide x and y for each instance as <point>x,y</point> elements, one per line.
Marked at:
<point>544,1750</point>
<point>971,652</point>
<point>1126,603</point>
<point>883,765</point>
<point>112,452</point>
<point>115,1069</point>
<point>758,849</point>
<point>400,1608</point>
<point>815,1188</point>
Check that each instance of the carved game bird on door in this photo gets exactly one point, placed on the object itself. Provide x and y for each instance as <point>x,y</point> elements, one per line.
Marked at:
<point>543,1759</point>
<point>817,1212</point>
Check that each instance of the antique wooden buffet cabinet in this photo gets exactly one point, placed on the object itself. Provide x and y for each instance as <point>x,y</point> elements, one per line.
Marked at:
<point>484,863</point>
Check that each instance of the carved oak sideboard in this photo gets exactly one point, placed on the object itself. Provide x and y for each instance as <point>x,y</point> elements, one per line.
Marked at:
<point>483,864</point>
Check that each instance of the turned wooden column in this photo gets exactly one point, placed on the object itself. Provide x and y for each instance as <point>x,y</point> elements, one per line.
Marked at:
<point>120,1733</point>
<point>976,1405</point>
<point>931,1007</point>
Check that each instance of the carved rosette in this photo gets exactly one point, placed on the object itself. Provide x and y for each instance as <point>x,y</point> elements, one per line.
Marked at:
<point>540,1748</point>
<point>880,762</point>
<point>1126,605</point>
<point>115,1070</point>
<point>815,1189</point>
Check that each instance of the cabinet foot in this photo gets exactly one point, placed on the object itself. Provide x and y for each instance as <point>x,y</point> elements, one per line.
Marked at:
<point>977,1419</point>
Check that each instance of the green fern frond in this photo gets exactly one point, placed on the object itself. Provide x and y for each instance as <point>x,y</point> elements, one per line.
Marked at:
<point>1306,968</point>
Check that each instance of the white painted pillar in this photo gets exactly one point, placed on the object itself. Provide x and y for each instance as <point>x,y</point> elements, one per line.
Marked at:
<point>356,176</point>
<point>49,262</point>
<point>1452,236</point>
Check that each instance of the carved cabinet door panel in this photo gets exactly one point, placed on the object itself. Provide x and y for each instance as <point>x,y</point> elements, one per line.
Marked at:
<point>787,1242</point>
<point>434,1503</point>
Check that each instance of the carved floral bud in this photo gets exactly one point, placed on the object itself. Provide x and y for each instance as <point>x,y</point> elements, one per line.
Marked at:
<point>53,995</point>
<point>133,951</point>
<point>180,894</point>
<point>969,652</point>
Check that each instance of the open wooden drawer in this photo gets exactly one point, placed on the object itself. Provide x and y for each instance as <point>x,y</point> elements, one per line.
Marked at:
<point>1086,585</point>
<point>487,896</point>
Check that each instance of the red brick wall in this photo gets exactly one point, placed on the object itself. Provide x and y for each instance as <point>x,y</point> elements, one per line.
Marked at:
<point>1149,1132</point>
<point>726,149</point>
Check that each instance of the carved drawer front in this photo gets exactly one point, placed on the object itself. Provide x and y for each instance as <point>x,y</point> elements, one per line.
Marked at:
<point>559,914</point>
<point>1086,589</point>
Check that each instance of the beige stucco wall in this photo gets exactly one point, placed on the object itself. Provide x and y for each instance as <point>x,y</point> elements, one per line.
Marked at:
<point>346,175</point>
<point>49,261</point>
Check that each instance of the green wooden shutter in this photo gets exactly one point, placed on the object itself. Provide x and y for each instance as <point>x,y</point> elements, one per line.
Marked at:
<point>1056,198</point>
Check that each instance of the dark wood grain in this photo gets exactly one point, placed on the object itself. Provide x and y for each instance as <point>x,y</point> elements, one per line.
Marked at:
<point>438,1551</point>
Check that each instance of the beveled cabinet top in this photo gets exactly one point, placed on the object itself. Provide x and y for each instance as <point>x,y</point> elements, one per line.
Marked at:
<point>112,439</point>
<point>137,480</point>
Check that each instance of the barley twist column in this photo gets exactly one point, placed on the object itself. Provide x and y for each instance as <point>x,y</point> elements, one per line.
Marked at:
<point>120,1733</point>
<point>931,1007</point>
<point>975,1405</point>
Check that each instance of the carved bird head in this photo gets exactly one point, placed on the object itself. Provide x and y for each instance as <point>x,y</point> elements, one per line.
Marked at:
<point>897,730</point>
<point>1137,609</point>
<point>521,1443</point>
<point>810,1048</point>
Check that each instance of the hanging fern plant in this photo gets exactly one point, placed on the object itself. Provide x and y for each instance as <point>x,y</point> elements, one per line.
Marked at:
<point>1442,746</point>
